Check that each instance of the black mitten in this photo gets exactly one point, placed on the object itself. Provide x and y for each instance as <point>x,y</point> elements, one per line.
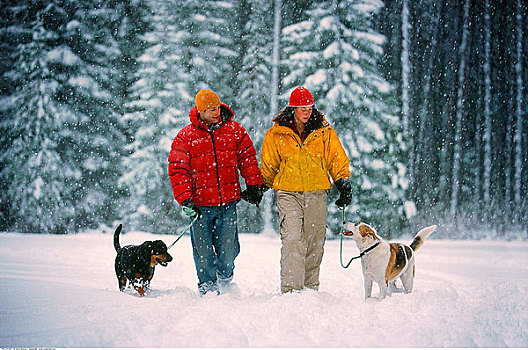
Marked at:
<point>345,189</point>
<point>252,194</point>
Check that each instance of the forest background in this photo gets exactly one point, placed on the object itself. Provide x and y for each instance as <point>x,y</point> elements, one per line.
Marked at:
<point>428,98</point>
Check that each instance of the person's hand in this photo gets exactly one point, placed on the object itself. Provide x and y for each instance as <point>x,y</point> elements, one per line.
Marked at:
<point>345,189</point>
<point>190,209</point>
<point>264,188</point>
<point>252,194</point>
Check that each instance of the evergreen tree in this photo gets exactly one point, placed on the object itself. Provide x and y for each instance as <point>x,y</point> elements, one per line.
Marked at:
<point>158,108</point>
<point>208,47</point>
<point>335,55</point>
<point>253,88</point>
<point>14,31</point>
<point>66,138</point>
<point>254,75</point>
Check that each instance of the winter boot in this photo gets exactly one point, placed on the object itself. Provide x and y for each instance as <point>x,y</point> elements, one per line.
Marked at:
<point>208,287</point>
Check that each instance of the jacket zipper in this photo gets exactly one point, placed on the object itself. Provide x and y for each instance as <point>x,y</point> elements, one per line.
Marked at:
<point>302,144</point>
<point>322,165</point>
<point>216,166</point>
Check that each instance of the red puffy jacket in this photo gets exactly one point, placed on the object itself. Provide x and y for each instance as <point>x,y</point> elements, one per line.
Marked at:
<point>204,164</point>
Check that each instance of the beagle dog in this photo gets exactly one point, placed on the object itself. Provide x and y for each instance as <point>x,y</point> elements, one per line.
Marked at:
<point>383,262</point>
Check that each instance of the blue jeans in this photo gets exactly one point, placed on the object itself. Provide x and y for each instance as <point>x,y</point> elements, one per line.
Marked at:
<point>215,243</point>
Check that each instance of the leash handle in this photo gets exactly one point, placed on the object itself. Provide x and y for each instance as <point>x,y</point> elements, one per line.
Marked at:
<point>183,232</point>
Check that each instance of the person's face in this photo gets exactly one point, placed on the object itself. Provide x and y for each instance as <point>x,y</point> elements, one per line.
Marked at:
<point>302,114</point>
<point>211,116</point>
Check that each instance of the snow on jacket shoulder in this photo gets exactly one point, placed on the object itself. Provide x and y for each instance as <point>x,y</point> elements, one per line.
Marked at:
<point>289,164</point>
<point>204,165</point>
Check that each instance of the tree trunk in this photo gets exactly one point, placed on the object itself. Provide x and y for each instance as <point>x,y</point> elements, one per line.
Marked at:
<point>457,152</point>
<point>267,200</point>
<point>405,89</point>
<point>275,60</point>
<point>405,68</point>
<point>507,210</point>
<point>487,111</point>
<point>477,184</point>
<point>518,113</point>
<point>422,176</point>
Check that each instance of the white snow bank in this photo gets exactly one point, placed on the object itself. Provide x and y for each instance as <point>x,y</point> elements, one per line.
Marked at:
<point>61,291</point>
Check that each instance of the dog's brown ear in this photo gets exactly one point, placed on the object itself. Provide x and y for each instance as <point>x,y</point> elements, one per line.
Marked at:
<point>365,230</point>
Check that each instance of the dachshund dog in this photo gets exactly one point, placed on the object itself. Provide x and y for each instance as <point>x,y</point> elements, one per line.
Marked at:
<point>135,264</point>
<point>383,262</point>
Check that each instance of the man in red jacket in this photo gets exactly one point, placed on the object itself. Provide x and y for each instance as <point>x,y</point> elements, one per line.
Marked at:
<point>204,164</point>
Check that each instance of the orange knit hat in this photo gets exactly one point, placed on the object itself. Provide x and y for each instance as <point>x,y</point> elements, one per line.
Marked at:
<point>206,99</point>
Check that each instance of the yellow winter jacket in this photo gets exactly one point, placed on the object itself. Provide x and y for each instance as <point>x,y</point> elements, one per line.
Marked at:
<point>291,165</point>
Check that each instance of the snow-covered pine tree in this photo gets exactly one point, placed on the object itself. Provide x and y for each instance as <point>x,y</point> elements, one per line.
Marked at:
<point>62,163</point>
<point>253,79</point>
<point>253,88</point>
<point>127,22</point>
<point>208,48</point>
<point>15,30</point>
<point>158,109</point>
<point>335,55</point>
<point>119,25</point>
<point>268,210</point>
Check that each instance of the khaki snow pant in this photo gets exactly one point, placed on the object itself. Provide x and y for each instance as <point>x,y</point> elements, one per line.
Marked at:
<point>303,233</point>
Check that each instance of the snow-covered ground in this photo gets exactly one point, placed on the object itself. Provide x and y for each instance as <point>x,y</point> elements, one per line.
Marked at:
<point>61,291</point>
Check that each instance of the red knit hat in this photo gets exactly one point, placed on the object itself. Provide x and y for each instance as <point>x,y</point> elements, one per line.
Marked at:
<point>301,97</point>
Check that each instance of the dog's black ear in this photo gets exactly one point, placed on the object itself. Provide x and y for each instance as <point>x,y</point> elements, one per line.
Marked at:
<point>146,251</point>
<point>160,244</point>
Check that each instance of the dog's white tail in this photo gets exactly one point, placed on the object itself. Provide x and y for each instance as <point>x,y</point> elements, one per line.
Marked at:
<point>421,236</point>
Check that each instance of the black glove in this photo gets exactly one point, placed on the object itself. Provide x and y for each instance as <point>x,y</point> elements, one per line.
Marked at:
<point>264,188</point>
<point>252,194</point>
<point>345,189</point>
<point>190,209</point>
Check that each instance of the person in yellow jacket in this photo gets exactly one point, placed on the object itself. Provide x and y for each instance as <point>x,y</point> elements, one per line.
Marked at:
<point>300,155</point>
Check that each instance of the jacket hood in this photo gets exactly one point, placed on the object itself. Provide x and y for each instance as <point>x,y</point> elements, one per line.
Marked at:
<point>225,114</point>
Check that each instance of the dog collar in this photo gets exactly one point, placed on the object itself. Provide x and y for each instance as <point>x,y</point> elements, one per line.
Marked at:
<point>364,252</point>
<point>369,249</point>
